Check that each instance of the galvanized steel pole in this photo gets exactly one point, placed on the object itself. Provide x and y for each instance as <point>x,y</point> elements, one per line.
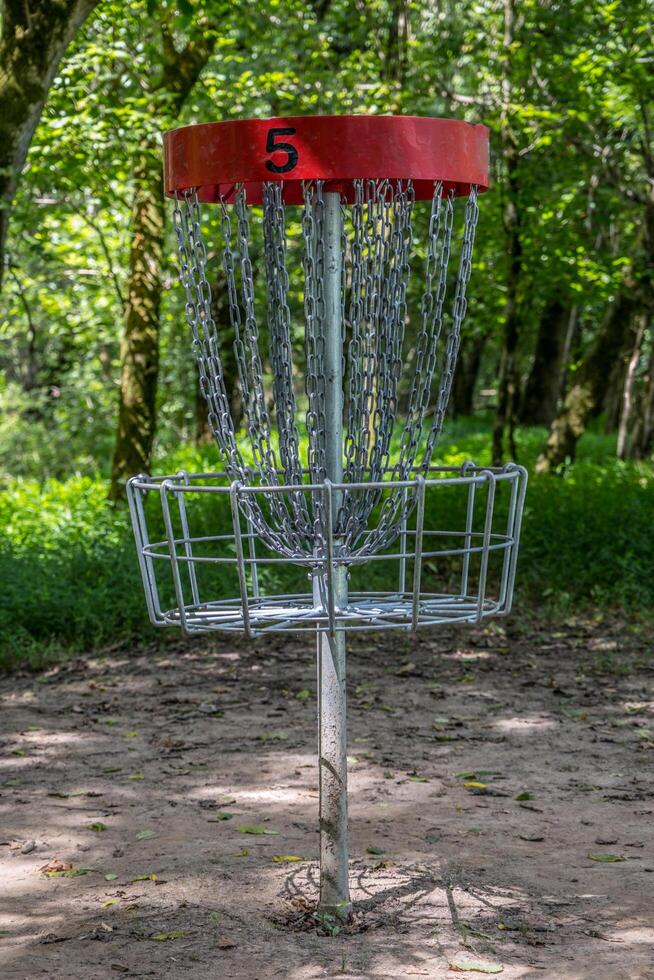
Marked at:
<point>332,727</point>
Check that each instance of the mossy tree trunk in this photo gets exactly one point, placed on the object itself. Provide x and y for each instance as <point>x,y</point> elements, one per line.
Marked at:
<point>586,393</point>
<point>139,355</point>
<point>543,387</point>
<point>33,40</point>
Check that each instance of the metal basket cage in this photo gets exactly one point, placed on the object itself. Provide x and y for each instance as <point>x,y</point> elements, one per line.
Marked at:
<point>204,567</point>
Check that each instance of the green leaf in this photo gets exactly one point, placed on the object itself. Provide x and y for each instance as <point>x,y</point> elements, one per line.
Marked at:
<point>521,797</point>
<point>249,829</point>
<point>375,850</point>
<point>110,877</point>
<point>97,826</point>
<point>219,817</point>
<point>607,858</point>
<point>145,834</point>
<point>71,873</point>
<point>161,937</point>
<point>286,858</point>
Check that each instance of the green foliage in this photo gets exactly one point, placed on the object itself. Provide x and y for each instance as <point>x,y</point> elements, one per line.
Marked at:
<point>71,581</point>
<point>580,115</point>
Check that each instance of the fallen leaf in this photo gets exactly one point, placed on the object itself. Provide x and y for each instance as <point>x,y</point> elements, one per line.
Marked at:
<point>286,858</point>
<point>532,837</point>
<point>303,695</point>
<point>110,877</point>
<point>55,866</point>
<point>135,776</point>
<point>226,944</point>
<point>110,901</point>
<point>70,873</point>
<point>243,853</point>
<point>521,797</point>
<point>375,850</point>
<point>473,784</point>
<point>248,829</point>
<point>145,834</point>
<point>148,877</point>
<point>97,826</point>
<point>219,817</point>
<point>407,668</point>
<point>607,858</point>
<point>163,936</point>
<point>19,752</point>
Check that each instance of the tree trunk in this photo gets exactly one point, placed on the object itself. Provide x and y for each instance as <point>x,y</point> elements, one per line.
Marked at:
<point>624,425</point>
<point>642,439</point>
<point>34,39</point>
<point>139,354</point>
<point>543,388</point>
<point>465,377</point>
<point>225,330</point>
<point>614,393</point>
<point>571,350</point>
<point>586,393</point>
<point>225,333</point>
<point>508,382</point>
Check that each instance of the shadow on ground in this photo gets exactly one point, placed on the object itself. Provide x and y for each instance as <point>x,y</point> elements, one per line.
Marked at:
<point>501,801</point>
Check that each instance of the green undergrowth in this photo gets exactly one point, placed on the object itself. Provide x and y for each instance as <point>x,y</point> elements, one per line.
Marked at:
<point>70,580</point>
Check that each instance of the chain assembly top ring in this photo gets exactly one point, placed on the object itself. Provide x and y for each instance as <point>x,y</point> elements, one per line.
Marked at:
<point>216,158</point>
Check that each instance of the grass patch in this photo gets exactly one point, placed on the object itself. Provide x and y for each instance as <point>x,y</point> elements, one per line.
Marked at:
<point>70,579</point>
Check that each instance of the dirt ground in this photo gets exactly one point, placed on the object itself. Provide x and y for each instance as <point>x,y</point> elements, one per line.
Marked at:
<point>501,804</point>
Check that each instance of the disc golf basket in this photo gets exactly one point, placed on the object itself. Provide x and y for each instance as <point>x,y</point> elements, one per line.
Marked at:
<point>350,225</point>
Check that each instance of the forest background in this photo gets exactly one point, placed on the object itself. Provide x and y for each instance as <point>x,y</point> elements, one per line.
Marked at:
<point>97,381</point>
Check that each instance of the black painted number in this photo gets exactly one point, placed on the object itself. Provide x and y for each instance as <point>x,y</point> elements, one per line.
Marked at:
<point>272,146</point>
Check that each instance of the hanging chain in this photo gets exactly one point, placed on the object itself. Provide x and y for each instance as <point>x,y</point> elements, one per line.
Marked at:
<point>377,243</point>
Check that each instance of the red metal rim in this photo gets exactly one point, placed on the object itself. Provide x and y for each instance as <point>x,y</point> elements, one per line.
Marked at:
<point>215,157</point>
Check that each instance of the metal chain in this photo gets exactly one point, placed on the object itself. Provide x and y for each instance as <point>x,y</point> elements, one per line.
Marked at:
<point>377,244</point>
<point>281,359</point>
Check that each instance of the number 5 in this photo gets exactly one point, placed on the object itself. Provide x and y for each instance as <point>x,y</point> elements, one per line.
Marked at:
<point>287,148</point>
